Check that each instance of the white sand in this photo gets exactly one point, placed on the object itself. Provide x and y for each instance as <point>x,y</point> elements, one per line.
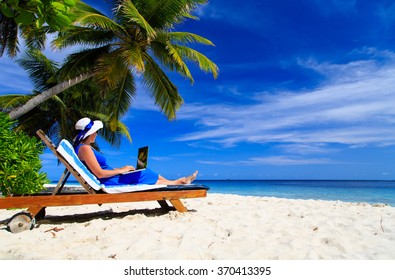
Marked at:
<point>219,227</point>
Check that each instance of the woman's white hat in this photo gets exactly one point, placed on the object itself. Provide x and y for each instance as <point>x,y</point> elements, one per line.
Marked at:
<point>85,124</point>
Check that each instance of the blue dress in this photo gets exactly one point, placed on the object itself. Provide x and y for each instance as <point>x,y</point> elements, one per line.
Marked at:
<point>146,176</point>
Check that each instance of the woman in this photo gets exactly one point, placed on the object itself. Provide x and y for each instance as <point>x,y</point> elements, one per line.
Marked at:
<point>96,162</point>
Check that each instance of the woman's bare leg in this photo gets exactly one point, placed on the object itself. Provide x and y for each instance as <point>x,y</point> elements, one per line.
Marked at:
<point>181,181</point>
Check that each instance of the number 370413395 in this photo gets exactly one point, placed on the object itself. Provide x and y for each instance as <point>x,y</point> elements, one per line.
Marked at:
<point>230,270</point>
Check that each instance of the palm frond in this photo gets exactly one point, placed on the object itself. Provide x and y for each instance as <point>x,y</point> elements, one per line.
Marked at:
<point>179,65</point>
<point>163,15</point>
<point>169,58</point>
<point>133,56</point>
<point>119,102</point>
<point>91,28</point>
<point>34,37</point>
<point>99,21</point>
<point>82,62</point>
<point>175,57</point>
<point>122,96</point>
<point>111,68</point>
<point>126,11</point>
<point>186,38</point>
<point>39,68</point>
<point>203,62</point>
<point>82,7</point>
<point>41,117</point>
<point>84,36</point>
<point>11,101</point>
<point>161,88</point>
<point>90,17</point>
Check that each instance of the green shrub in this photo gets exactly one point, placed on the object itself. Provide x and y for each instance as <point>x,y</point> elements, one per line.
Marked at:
<point>19,161</point>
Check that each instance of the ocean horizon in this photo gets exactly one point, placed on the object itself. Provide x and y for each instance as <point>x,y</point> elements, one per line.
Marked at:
<point>368,191</point>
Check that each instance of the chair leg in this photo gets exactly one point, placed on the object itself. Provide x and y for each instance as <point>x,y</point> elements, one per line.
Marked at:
<point>163,204</point>
<point>178,205</point>
<point>61,182</point>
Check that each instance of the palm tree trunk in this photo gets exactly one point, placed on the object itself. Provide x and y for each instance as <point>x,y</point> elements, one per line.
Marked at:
<point>45,95</point>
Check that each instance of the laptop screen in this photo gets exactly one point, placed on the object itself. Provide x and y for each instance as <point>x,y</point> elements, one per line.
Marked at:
<point>142,158</point>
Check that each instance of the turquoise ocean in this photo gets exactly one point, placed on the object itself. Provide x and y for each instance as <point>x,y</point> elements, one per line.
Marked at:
<point>373,192</point>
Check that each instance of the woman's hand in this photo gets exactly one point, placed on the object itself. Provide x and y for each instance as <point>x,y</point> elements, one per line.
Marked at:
<point>126,168</point>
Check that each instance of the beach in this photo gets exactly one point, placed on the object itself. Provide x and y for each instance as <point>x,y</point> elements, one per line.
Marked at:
<point>218,227</point>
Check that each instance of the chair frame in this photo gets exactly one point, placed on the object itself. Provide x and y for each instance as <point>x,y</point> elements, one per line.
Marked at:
<point>37,203</point>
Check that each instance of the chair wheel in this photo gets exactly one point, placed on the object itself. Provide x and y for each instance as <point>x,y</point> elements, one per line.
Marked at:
<point>20,222</point>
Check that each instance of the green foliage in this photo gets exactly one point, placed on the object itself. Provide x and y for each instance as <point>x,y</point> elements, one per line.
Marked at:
<point>19,161</point>
<point>56,13</point>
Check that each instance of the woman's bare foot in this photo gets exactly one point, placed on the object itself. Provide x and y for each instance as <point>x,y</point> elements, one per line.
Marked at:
<point>181,181</point>
<point>191,178</point>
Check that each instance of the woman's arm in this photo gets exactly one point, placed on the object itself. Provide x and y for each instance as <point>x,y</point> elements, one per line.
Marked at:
<point>86,154</point>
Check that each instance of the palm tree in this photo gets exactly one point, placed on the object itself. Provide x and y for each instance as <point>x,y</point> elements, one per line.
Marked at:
<point>137,42</point>
<point>57,115</point>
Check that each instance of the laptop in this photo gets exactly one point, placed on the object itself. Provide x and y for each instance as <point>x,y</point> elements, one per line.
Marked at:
<point>142,160</point>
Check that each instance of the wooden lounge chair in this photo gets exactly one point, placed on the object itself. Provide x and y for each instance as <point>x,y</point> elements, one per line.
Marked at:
<point>93,192</point>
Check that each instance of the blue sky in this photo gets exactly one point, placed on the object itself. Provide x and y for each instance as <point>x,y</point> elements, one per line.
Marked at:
<point>306,90</point>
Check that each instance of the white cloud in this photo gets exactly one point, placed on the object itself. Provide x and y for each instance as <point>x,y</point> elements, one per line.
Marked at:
<point>354,107</point>
<point>306,149</point>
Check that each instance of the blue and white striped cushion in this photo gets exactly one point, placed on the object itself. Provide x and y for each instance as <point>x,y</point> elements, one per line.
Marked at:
<point>67,151</point>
